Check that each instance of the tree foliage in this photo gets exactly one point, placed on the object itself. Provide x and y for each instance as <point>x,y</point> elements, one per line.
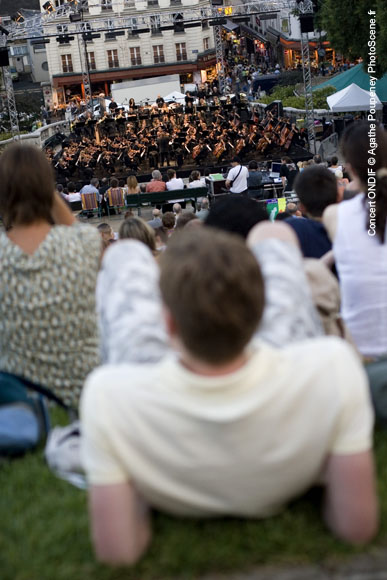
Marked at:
<point>347,24</point>
<point>289,99</point>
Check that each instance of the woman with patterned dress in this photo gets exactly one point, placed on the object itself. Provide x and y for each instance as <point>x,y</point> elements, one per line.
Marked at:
<point>49,265</point>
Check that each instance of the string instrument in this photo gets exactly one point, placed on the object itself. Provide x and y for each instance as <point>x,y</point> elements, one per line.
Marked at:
<point>219,149</point>
<point>196,151</point>
<point>284,134</point>
<point>239,146</point>
<point>289,140</point>
<point>264,142</point>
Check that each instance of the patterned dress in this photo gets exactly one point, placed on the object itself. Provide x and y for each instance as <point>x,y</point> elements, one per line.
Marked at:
<point>48,325</point>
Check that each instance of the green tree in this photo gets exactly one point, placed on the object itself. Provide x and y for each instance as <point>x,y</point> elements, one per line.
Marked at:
<point>347,24</point>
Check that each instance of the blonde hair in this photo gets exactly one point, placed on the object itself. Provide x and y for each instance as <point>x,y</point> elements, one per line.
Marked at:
<point>134,228</point>
<point>132,182</point>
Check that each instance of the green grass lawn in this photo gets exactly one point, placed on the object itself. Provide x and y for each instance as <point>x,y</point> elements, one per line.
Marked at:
<point>44,533</point>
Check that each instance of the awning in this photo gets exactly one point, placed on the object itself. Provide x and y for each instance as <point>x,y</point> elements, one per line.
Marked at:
<point>251,33</point>
<point>230,25</point>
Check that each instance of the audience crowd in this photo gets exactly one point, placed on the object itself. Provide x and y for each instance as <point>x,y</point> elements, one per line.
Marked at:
<point>223,364</point>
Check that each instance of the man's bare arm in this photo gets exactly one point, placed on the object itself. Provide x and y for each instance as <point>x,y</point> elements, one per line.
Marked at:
<point>120,523</point>
<point>350,505</point>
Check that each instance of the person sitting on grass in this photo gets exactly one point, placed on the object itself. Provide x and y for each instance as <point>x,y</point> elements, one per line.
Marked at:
<point>224,426</point>
<point>49,265</point>
<point>316,188</point>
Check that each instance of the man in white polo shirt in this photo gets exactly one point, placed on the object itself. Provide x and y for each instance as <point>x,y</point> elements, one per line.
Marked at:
<point>236,180</point>
<point>225,426</point>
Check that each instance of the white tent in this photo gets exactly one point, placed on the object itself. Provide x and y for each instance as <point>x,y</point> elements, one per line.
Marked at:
<point>352,98</point>
<point>175,96</point>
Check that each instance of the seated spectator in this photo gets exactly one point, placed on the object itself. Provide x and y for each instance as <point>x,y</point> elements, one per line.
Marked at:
<point>169,221</point>
<point>334,165</point>
<point>107,235</point>
<point>316,188</point>
<point>359,244</point>
<point>218,396</point>
<point>173,181</point>
<point>184,218</point>
<point>72,194</point>
<point>204,211</point>
<point>236,214</point>
<point>177,209</point>
<point>48,326</point>
<point>155,222</point>
<point>292,208</point>
<point>342,183</point>
<point>157,183</point>
<point>254,180</point>
<point>195,180</point>
<point>132,185</point>
<point>136,229</point>
<point>161,237</point>
<point>92,188</point>
<point>317,160</point>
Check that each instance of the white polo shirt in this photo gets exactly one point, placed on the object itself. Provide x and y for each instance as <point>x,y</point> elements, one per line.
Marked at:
<point>241,444</point>
<point>239,178</point>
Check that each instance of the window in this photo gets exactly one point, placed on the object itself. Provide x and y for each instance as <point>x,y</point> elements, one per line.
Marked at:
<point>158,54</point>
<point>181,51</point>
<point>153,3</point>
<point>135,55</point>
<point>39,47</point>
<point>45,65</point>
<point>19,50</point>
<point>91,59</point>
<point>175,2</point>
<point>155,24</point>
<point>206,43</point>
<point>204,22</point>
<point>107,5</point>
<point>67,63</point>
<point>85,26</point>
<point>62,28</point>
<point>113,61</point>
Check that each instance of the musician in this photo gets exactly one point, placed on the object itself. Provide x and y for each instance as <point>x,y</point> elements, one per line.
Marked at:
<point>236,180</point>
<point>164,148</point>
<point>113,106</point>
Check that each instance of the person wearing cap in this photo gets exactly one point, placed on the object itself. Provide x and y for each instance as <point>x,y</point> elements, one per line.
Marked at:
<point>236,180</point>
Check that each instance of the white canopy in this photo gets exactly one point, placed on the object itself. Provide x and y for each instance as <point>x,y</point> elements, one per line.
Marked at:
<point>352,98</point>
<point>175,96</point>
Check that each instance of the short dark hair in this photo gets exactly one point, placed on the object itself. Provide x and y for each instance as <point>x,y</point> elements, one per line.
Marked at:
<point>253,164</point>
<point>27,186</point>
<point>212,285</point>
<point>114,182</point>
<point>236,159</point>
<point>184,218</point>
<point>317,159</point>
<point>334,160</point>
<point>316,188</point>
<point>236,214</point>
<point>71,187</point>
<point>171,173</point>
<point>168,218</point>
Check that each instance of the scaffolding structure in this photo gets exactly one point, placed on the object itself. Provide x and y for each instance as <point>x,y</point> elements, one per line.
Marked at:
<point>304,8</point>
<point>8,86</point>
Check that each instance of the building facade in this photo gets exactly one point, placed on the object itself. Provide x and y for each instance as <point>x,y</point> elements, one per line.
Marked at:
<point>114,58</point>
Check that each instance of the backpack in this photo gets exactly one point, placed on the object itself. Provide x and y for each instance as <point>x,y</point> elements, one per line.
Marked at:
<point>24,420</point>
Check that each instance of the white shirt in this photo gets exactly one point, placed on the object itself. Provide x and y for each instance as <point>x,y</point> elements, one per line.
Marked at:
<point>238,175</point>
<point>91,189</point>
<point>239,444</point>
<point>197,183</point>
<point>361,262</point>
<point>175,183</point>
<point>76,196</point>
